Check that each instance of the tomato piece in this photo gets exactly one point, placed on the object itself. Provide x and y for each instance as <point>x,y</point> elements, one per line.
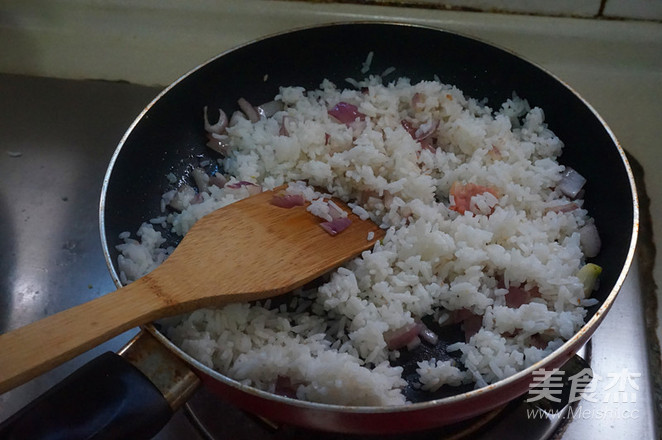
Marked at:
<point>462,195</point>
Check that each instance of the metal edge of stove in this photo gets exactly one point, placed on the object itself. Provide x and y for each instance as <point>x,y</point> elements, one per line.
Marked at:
<point>646,255</point>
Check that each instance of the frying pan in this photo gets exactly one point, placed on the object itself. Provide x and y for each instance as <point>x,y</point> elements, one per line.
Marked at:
<point>168,136</point>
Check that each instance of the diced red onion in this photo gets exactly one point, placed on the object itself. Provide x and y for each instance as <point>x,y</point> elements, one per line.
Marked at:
<point>365,196</point>
<point>358,127</point>
<point>182,197</point>
<point>396,339</point>
<point>422,134</point>
<point>268,109</point>
<point>426,145</point>
<point>387,199</point>
<point>567,207</point>
<point>335,211</point>
<point>590,240</point>
<point>336,226</point>
<point>428,335</point>
<point>287,120</point>
<point>197,199</point>
<point>250,186</point>
<point>571,183</point>
<point>346,113</point>
<point>219,143</point>
<point>220,126</point>
<point>168,196</point>
<point>218,180</point>
<point>288,200</point>
<point>239,184</point>
<point>414,343</point>
<point>236,117</point>
<point>250,111</point>
<point>254,189</point>
<point>418,101</point>
<point>409,127</point>
<point>201,179</point>
<point>494,153</point>
<point>426,130</point>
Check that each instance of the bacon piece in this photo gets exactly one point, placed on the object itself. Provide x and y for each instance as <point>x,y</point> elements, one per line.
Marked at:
<point>471,326</point>
<point>471,323</point>
<point>539,341</point>
<point>518,295</point>
<point>285,387</point>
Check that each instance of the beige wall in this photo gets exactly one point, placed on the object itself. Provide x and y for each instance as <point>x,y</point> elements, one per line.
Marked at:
<point>621,9</point>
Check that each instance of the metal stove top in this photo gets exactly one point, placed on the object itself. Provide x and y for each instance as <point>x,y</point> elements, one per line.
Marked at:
<point>56,138</point>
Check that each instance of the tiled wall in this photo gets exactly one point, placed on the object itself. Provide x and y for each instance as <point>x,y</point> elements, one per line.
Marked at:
<point>642,9</point>
<point>611,9</point>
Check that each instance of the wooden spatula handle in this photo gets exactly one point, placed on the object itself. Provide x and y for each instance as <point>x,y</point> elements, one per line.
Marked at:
<point>38,347</point>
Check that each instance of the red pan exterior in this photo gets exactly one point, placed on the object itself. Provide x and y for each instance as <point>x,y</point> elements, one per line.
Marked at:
<point>374,420</point>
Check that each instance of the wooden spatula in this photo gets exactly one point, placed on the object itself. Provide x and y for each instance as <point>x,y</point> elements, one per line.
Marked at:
<point>246,251</point>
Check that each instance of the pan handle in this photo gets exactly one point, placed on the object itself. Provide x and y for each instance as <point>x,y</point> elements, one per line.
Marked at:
<point>132,395</point>
<point>107,398</point>
<point>573,368</point>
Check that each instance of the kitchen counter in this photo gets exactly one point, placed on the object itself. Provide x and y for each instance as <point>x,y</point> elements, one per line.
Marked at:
<point>73,78</point>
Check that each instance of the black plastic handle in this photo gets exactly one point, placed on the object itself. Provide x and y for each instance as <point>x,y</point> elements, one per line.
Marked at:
<point>106,399</point>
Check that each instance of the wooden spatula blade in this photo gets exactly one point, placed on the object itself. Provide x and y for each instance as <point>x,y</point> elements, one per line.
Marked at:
<point>248,250</point>
<point>257,249</point>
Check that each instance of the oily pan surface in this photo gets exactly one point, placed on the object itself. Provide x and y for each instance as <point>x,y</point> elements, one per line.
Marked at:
<point>170,134</point>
